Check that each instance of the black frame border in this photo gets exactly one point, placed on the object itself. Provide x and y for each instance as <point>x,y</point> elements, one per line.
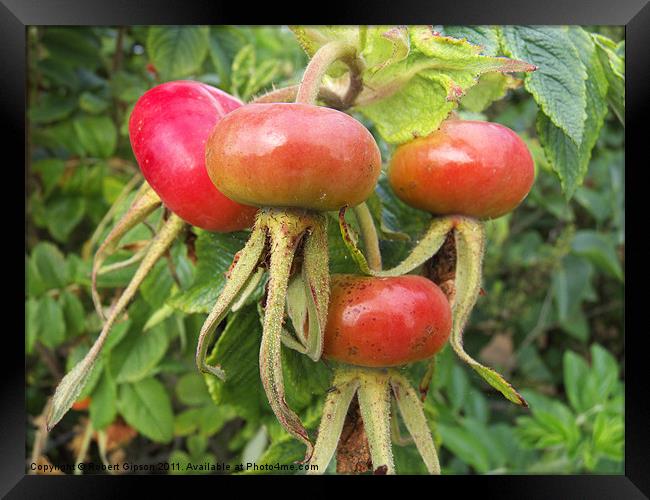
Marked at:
<point>17,15</point>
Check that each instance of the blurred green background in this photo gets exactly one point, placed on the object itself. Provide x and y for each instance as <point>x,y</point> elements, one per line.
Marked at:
<point>551,319</point>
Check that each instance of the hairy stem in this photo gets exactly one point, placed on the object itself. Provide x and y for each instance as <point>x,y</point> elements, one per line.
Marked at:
<point>69,388</point>
<point>318,66</point>
<point>368,235</point>
<point>288,94</point>
<point>145,202</point>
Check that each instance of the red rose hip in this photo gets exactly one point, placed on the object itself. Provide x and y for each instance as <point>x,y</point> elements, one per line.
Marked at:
<point>473,168</point>
<point>293,155</point>
<point>169,127</point>
<point>383,322</point>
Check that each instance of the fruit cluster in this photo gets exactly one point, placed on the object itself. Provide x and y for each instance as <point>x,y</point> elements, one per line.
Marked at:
<point>277,168</point>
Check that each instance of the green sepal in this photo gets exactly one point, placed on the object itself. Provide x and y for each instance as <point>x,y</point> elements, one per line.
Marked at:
<point>426,248</point>
<point>470,248</point>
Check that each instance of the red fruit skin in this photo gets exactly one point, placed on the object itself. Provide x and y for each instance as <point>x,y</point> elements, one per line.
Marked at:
<point>293,155</point>
<point>169,127</point>
<point>383,322</point>
<point>473,168</point>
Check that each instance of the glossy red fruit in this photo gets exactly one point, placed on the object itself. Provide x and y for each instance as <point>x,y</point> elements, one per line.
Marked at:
<point>474,168</point>
<point>169,127</point>
<point>382,322</point>
<point>293,155</point>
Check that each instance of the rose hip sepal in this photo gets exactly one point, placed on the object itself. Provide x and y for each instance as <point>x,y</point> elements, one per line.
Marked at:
<point>375,324</point>
<point>451,174</point>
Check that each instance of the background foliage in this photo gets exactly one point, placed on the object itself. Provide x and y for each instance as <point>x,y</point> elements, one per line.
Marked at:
<point>551,318</point>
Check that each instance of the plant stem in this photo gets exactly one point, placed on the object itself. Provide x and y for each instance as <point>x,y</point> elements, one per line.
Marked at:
<point>288,94</point>
<point>69,388</point>
<point>368,235</point>
<point>318,66</point>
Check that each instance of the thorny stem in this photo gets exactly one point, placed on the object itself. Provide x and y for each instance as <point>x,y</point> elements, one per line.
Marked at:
<point>368,235</point>
<point>320,63</point>
<point>69,388</point>
<point>286,229</point>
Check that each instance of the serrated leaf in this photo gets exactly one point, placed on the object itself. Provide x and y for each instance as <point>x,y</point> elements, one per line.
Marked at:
<point>177,51</point>
<point>485,36</point>
<point>97,135</point>
<point>145,406</point>
<point>613,62</point>
<point>413,76</point>
<point>569,159</point>
<point>72,47</point>
<point>558,85</point>
<point>237,352</point>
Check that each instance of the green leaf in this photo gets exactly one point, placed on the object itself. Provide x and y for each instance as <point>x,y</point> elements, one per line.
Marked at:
<point>145,406</point>
<point>600,250</point>
<point>63,215</point>
<point>51,108</point>
<point>73,312</point>
<point>465,446</point>
<point>614,67</point>
<point>92,103</point>
<point>137,355</point>
<point>237,352</point>
<point>215,253</point>
<point>303,378</point>
<point>103,406</point>
<point>569,158</point>
<point>491,87</point>
<point>50,171</point>
<point>47,264</point>
<point>177,51</point>
<point>576,373</point>
<point>570,282</point>
<point>97,135</point>
<point>485,36</point>
<point>558,85</point>
<point>191,389</point>
<point>413,77</point>
<point>73,47</point>
<point>50,323</point>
